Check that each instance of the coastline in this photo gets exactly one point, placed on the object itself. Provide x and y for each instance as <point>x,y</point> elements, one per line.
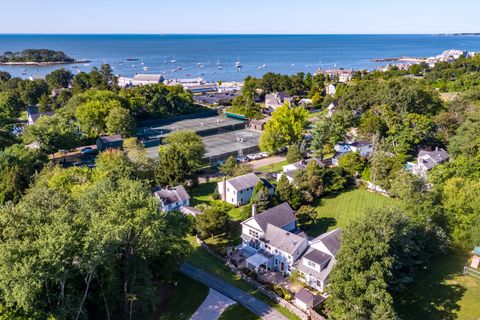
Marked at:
<point>40,64</point>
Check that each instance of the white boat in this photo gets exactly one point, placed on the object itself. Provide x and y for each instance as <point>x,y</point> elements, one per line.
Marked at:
<point>238,64</point>
<point>146,68</point>
<point>173,60</point>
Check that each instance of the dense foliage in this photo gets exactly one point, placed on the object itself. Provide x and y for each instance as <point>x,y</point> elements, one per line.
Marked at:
<point>36,55</point>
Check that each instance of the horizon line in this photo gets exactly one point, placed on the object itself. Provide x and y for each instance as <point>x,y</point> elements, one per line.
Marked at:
<point>240,34</point>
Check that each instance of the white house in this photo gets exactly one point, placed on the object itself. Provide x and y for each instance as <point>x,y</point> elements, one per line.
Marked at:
<point>331,89</point>
<point>275,100</point>
<point>33,114</point>
<point>172,199</point>
<point>290,169</point>
<point>239,190</point>
<point>364,148</point>
<point>271,239</point>
<point>427,160</point>
<point>272,242</point>
<point>318,261</point>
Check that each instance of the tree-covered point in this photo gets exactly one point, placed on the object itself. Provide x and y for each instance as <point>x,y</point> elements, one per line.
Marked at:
<point>36,55</point>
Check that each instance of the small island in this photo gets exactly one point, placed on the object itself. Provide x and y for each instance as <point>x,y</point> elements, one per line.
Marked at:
<point>36,57</point>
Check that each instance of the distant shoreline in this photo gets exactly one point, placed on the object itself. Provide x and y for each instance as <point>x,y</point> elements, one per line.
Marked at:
<point>40,64</point>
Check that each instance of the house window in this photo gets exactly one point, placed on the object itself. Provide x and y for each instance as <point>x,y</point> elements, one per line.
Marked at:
<point>254,244</point>
<point>241,200</point>
<point>253,233</point>
<point>311,264</point>
<point>241,191</point>
<point>289,257</point>
<point>233,200</point>
<point>276,262</point>
<point>276,251</point>
<point>228,189</point>
<point>267,246</point>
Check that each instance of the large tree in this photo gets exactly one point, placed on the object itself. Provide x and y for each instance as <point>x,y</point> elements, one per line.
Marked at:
<point>120,121</point>
<point>190,145</point>
<point>77,254</point>
<point>378,256</point>
<point>284,128</point>
<point>52,134</point>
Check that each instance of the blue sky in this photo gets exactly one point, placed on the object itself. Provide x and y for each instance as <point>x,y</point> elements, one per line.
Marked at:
<point>241,16</point>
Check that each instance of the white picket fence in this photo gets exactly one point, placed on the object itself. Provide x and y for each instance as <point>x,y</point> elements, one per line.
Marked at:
<point>471,272</point>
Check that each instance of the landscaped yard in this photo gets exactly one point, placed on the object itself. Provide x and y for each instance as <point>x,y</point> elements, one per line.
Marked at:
<point>204,260</point>
<point>187,296</point>
<point>338,210</point>
<point>441,291</point>
<point>203,194</point>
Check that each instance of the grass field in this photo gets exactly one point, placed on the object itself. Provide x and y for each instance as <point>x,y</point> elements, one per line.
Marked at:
<point>274,167</point>
<point>187,296</point>
<point>238,312</point>
<point>338,210</point>
<point>441,291</point>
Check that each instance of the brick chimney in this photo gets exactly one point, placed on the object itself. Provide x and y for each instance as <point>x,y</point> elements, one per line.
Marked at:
<point>224,189</point>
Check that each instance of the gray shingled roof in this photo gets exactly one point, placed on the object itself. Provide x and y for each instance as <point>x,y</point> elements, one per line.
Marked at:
<point>322,275</point>
<point>190,210</point>
<point>305,296</point>
<point>432,158</point>
<point>175,194</point>
<point>248,180</point>
<point>360,143</point>
<point>278,216</point>
<point>282,240</point>
<point>331,240</point>
<point>148,77</point>
<point>317,256</point>
<point>303,163</point>
<point>110,139</point>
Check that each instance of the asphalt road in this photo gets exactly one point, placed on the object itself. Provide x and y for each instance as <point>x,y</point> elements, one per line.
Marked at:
<point>253,304</point>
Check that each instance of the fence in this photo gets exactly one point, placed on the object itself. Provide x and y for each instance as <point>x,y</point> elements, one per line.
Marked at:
<point>471,272</point>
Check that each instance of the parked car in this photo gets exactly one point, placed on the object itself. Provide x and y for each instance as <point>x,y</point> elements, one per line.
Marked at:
<point>86,150</point>
<point>242,159</point>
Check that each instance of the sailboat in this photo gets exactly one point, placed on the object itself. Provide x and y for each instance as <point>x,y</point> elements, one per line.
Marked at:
<point>173,60</point>
<point>238,65</point>
<point>218,64</point>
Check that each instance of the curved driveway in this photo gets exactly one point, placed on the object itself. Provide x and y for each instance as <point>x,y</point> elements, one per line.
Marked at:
<point>253,304</point>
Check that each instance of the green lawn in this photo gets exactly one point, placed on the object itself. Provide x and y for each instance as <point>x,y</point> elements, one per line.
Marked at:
<point>187,296</point>
<point>202,193</point>
<point>441,291</point>
<point>338,210</point>
<point>204,260</point>
<point>274,167</point>
<point>238,312</point>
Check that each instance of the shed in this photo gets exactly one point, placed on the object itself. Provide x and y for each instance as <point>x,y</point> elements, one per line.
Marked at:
<point>304,299</point>
<point>110,142</point>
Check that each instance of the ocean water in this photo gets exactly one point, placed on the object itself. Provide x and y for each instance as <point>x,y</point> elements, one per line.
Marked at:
<point>214,56</point>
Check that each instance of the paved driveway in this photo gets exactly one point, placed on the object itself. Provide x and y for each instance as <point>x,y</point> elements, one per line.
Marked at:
<point>253,304</point>
<point>212,307</point>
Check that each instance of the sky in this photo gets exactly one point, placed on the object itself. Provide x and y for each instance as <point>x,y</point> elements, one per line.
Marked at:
<point>239,17</point>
